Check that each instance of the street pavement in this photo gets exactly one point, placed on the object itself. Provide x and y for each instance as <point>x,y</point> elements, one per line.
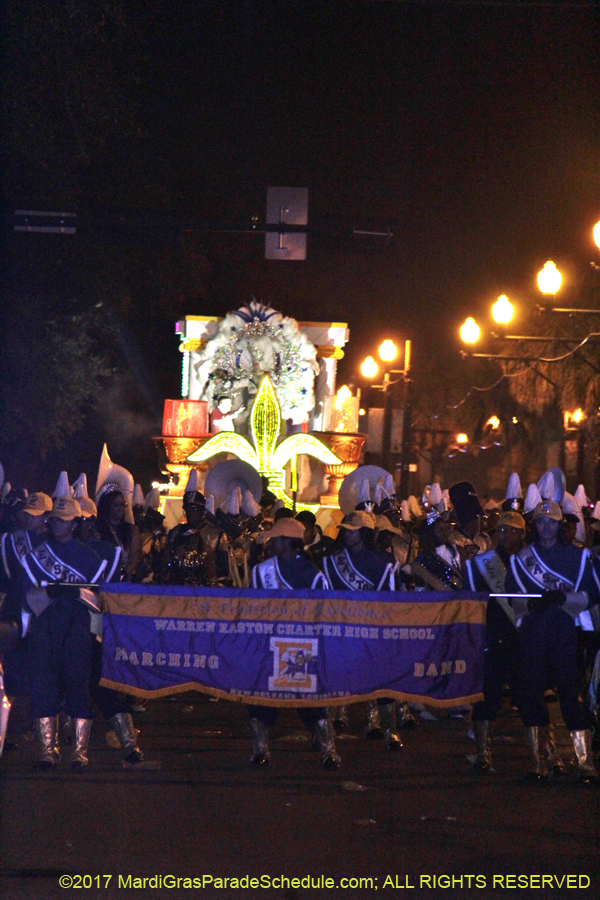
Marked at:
<point>398,819</point>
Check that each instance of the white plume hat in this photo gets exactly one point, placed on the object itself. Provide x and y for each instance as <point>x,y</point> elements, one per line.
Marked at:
<point>596,510</point>
<point>80,486</point>
<point>62,491</point>
<point>192,482</point>
<point>210,504</point>
<point>249,505</point>
<point>552,485</point>
<point>405,511</point>
<point>364,495</point>
<point>388,484</point>
<point>152,499</point>
<point>138,496</point>
<point>514,491</point>
<point>532,498</point>
<point>6,489</point>
<point>581,496</point>
<point>435,494</point>
<point>112,477</point>
<point>570,505</point>
<point>232,503</point>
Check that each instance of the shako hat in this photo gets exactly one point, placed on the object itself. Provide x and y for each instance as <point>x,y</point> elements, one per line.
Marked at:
<point>465,501</point>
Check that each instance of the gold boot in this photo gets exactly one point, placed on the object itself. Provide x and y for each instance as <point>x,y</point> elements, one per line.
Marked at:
<point>538,769</point>
<point>582,744</point>
<point>82,729</point>
<point>373,729</point>
<point>387,713</point>
<point>325,734</point>
<point>46,730</point>
<point>483,745</point>
<point>261,755</point>
<point>548,751</point>
<point>123,727</point>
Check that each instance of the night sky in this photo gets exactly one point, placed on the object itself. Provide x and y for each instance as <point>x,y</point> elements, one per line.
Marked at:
<point>471,129</point>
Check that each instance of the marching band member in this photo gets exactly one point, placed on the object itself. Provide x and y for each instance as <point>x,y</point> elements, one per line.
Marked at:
<point>548,639</point>
<point>357,566</point>
<point>59,646</point>
<point>289,568</point>
<point>487,572</point>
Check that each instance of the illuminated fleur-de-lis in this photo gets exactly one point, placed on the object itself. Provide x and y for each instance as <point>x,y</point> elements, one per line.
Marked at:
<point>267,456</point>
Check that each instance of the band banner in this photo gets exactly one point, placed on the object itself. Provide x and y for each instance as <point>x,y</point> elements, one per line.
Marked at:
<point>294,648</point>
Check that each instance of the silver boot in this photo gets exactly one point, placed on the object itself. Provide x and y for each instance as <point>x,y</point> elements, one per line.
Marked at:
<point>548,751</point>
<point>582,744</point>
<point>325,734</point>
<point>261,755</point>
<point>341,722</point>
<point>483,745</point>
<point>387,714</point>
<point>82,729</point>
<point>538,769</point>
<point>404,716</point>
<point>47,734</point>
<point>123,727</point>
<point>373,729</point>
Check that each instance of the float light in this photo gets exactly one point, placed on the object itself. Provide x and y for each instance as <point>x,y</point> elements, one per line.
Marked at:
<point>502,310</point>
<point>462,438</point>
<point>470,331</point>
<point>596,233</point>
<point>265,454</point>
<point>549,278</point>
<point>493,422</point>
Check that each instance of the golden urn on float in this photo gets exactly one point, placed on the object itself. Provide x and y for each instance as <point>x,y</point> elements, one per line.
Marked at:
<point>343,439</point>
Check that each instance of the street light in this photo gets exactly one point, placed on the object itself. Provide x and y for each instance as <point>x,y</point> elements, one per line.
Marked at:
<point>469,331</point>
<point>502,310</point>
<point>596,233</point>
<point>549,278</point>
<point>369,367</point>
<point>388,351</point>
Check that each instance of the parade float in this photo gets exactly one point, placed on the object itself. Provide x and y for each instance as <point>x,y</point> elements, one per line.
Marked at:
<point>261,387</point>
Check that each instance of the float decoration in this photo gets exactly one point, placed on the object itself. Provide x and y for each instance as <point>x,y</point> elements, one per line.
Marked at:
<point>248,344</point>
<point>266,455</point>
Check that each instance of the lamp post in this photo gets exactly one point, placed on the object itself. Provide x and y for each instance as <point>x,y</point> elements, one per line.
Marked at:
<point>388,351</point>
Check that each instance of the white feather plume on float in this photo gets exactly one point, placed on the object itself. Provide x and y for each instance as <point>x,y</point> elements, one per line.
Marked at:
<point>249,343</point>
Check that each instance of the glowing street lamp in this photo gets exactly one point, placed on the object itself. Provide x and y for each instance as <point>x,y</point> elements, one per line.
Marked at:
<point>502,310</point>
<point>462,438</point>
<point>388,351</point>
<point>549,278</point>
<point>469,331</point>
<point>596,233</point>
<point>369,368</point>
<point>493,422</point>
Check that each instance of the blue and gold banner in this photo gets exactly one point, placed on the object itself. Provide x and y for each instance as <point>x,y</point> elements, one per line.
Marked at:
<point>294,648</point>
